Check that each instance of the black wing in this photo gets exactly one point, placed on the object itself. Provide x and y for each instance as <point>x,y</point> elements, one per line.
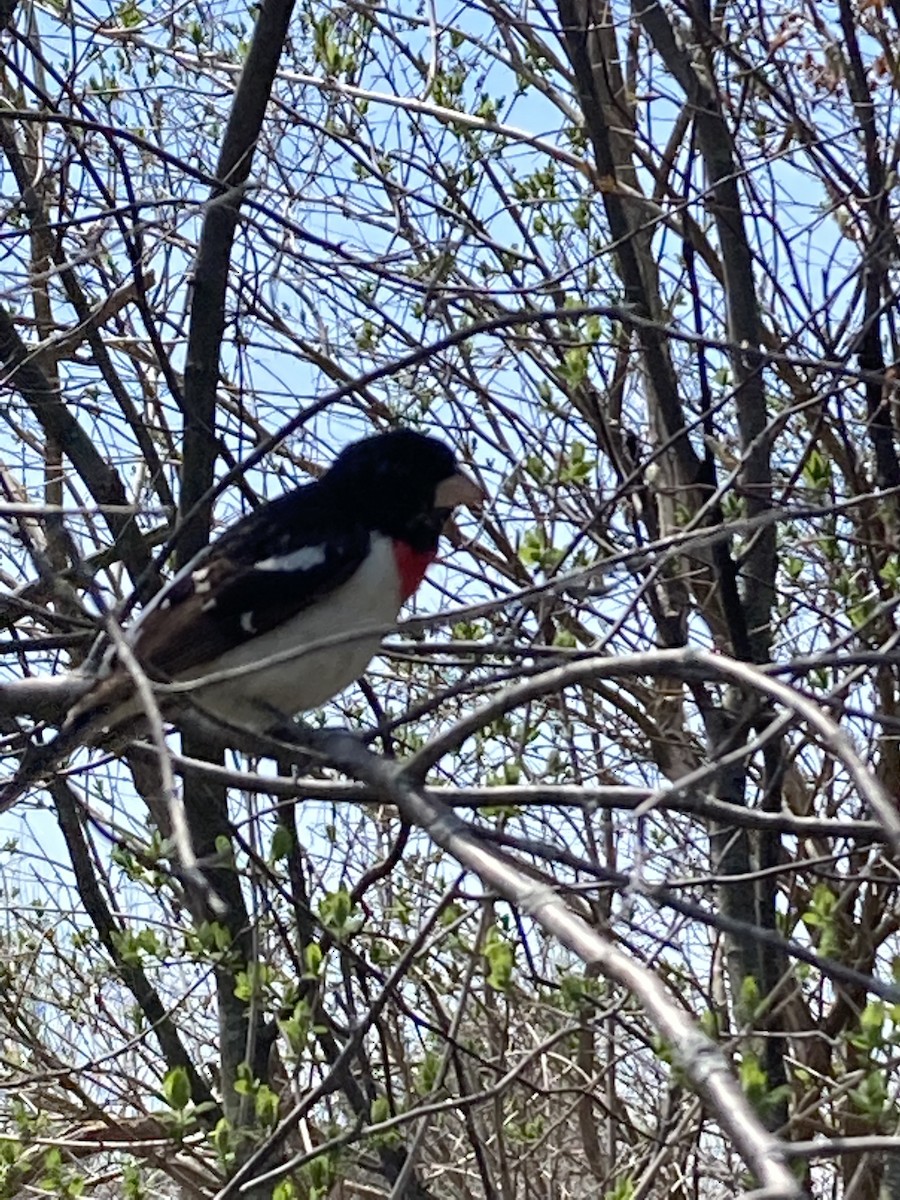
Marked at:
<point>261,572</point>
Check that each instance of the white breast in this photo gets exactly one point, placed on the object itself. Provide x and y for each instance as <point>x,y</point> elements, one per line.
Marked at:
<point>256,698</point>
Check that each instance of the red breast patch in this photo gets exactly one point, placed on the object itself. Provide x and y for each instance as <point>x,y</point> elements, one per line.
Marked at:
<point>411,567</point>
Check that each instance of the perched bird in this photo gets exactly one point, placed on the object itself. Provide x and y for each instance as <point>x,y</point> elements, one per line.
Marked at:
<point>320,563</point>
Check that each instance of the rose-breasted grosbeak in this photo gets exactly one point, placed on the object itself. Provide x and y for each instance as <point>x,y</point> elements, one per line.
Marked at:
<point>323,562</point>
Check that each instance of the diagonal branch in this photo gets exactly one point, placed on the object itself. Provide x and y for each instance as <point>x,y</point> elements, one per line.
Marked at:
<point>207,325</point>
<point>20,370</point>
<point>242,1036</point>
<point>697,1055</point>
<point>744,326</point>
<point>131,974</point>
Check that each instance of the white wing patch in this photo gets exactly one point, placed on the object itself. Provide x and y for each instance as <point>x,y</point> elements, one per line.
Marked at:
<point>368,599</point>
<point>299,560</point>
<point>201,581</point>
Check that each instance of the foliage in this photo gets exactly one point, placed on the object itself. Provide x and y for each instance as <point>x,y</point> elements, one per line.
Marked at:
<point>640,267</point>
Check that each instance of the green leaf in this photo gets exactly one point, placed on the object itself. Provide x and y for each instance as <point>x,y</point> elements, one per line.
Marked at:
<point>871,1097</point>
<point>623,1189</point>
<point>749,994</point>
<point>132,1183</point>
<point>817,470</point>
<point>574,369</point>
<point>336,912</point>
<point>429,1072</point>
<point>536,468</point>
<point>752,1076</point>
<point>266,1104</point>
<point>498,953</point>
<point>222,1140</point>
<point>872,1021</point>
<point>130,15</point>
<point>225,850</point>
<point>312,959</point>
<point>282,844</point>
<point>536,551</point>
<point>177,1088</point>
<point>252,983</point>
<point>822,915</point>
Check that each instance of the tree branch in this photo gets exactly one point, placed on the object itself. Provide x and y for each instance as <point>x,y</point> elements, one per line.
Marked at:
<point>700,1059</point>
<point>207,324</point>
<point>22,371</point>
<point>130,973</point>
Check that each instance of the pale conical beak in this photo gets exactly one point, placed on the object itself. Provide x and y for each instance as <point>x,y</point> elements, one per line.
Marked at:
<point>459,488</point>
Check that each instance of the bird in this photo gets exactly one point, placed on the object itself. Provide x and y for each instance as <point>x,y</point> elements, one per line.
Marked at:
<point>287,606</point>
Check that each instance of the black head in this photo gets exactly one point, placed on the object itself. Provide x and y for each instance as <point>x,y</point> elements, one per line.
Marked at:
<point>401,483</point>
